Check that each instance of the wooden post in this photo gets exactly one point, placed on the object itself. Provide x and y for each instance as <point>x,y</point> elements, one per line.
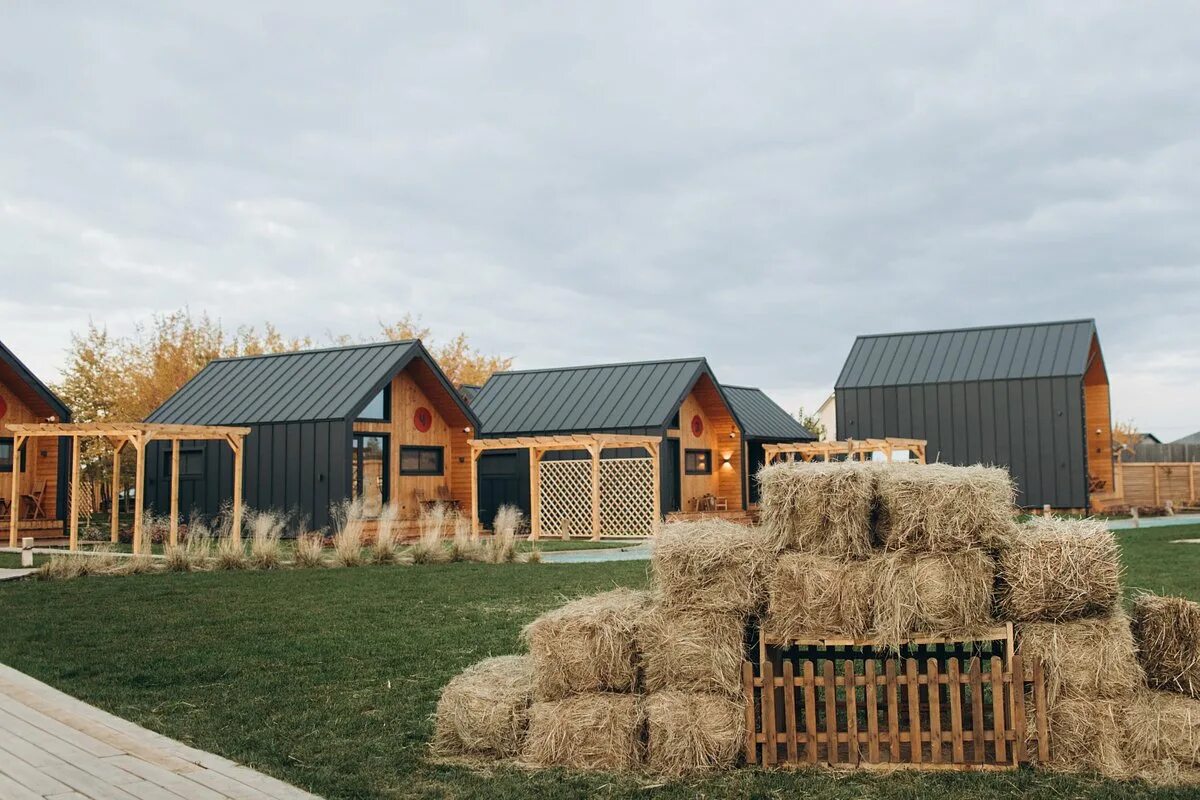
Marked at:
<point>14,508</point>
<point>139,483</point>
<point>235,530</point>
<point>1133,512</point>
<point>595,451</point>
<point>535,493</point>
<point>115,520</point>
<point>27,552</point>
<point>1157,498</point>
<point>175,492</point>
<point>656,476</point>
<point>75,459</point>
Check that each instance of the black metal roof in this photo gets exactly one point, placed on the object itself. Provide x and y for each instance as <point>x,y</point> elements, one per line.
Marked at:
<point>469,391</point>
<point>1007,352</point>
<point>762,417</point>
<point>308,385</point>
<point>597,398</point>
<point>23,376</point>
<point>1191,438</point>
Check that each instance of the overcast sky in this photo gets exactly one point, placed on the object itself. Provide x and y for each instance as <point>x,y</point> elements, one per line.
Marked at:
<point>756,184</point>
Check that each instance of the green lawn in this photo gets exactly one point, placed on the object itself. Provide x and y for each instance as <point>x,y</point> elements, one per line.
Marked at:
<point>327,678</point>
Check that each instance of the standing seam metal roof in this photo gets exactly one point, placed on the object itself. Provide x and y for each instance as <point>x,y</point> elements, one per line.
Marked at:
<point>1009,352</point>
<point>601,397</point>
<point>762,417</point>
<point>302,386</point>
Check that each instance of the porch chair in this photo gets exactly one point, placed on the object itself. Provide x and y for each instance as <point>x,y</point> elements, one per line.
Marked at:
<point>34,501</point>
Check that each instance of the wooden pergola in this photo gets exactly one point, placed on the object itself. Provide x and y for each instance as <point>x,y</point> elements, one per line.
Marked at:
<point>136,435</point>
<point>538,446</point>
<point>850,449</point>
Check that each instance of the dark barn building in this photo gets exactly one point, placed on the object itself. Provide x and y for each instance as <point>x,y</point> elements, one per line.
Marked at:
<point>1033,398</point>
<point>379,422</point>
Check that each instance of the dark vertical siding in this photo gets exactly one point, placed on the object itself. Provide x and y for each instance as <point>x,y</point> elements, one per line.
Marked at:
<point>64,480</point>
<point>1033,426</point>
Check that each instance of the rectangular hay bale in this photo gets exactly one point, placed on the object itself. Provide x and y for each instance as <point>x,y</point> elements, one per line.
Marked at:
<point>819,508</point>
<point>587,645</point>
<point>819,597</point>
<point>1093,658</point>
<point>711,565</point>
<point>939,508</point>
<point>1163,733</point>
<point>1058,569</point>
<point>593,731</point>
<point>1167,632</point>
<point>693,731</point>
<point>939,594</point>
<point>484,709</point>
<point>1088,735</point>
<point>693,651</point>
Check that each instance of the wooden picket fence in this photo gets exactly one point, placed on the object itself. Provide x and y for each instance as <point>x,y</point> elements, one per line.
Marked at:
<point>950,710</point>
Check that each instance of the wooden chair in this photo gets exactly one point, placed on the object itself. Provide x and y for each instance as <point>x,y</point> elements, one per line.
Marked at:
<point>34,501</point>
<point>5,507</point>
<point>721,503</point>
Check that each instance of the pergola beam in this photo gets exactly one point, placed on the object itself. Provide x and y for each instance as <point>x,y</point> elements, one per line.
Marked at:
<point>852,449</point>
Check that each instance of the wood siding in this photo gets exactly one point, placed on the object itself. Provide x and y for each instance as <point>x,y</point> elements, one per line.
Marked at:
<point>1097,417</point>
<point>725,481</point>
<point>41,457</point>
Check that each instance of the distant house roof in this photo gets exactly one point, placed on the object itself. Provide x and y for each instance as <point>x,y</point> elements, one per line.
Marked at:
<point>309,385</point>
<point>469,391</point>
<point>1008,352</point>
<point>762,418</point>
<point>1149,437</point>
<point>605,397</point>
<point>1193,438</point>
<point>29,387</point>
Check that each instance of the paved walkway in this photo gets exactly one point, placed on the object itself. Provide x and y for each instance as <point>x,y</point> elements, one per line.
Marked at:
<point>54,747</point>
<point>15,574</point>
<point>1154,522</point>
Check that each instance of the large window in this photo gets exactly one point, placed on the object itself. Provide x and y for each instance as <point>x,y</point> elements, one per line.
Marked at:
<point>369,464</point>
<point>421,460</point>
<point>191,464</point>
<point>379,409</point>
<point>697,462</point>
<point>6,455</point>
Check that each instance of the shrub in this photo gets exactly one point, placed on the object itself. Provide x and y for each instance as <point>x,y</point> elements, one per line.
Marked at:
<point>310,551</point>
<point>266,530</point>
<point>502,547</point>
<point>348,522</point>
<point>462,548</point>
<point>383,550</point>
<point>230,554</point>
<point>428,548</point>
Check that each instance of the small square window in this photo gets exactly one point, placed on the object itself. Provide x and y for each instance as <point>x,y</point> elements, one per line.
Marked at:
<point>6,455</point>
<point>191,464</point>
<point>421,461</point>
<point>697,462</point>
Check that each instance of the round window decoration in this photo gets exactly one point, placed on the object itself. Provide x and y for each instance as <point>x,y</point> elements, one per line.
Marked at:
<point>697,425</point>
<point>422,419</point>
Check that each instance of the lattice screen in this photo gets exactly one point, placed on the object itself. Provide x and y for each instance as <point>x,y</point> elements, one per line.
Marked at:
<point>566,495</point>
<point>626,497</point>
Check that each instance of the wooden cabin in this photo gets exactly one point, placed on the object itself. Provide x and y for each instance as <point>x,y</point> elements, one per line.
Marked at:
<point>1033,398</point>
<point>377,422</point>
<point>43,463</point>
<point>694,432</point>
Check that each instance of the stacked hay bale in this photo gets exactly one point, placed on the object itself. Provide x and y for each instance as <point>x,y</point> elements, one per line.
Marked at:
<point>883,551</point>
<point>1060,582</point>
<point>483,711</point>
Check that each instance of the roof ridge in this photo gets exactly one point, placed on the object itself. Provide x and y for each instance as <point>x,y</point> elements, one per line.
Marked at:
<point>1009,326</point>
<point>602,366</point>
<point>739,386</point>
<point>332,349</point>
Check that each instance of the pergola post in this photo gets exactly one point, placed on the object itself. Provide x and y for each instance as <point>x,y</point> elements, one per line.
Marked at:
<point>656,476</point>
<point>594,449</point>
<point>75,459</point>
<point>235,530</point>
<point>535,493</point>
<point>174,492</point>
<point>14,510</point>
<point>475,454</point>
<point>139,482</point>
<point>115,511</point>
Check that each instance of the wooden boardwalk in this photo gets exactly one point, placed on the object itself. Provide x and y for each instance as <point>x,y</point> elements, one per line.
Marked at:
<point>54,747</point>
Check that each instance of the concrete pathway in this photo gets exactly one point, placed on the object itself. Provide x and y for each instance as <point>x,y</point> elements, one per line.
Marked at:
<point>1154,522</point>
<point>639,551</point>
<point>54,747</point>
<point>15,574</point>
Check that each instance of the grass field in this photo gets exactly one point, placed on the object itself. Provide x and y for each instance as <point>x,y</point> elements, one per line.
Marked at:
<point>327,678</point>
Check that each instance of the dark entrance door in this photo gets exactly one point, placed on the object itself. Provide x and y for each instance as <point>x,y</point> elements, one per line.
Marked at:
<point>670,476</point>
<point>755,457</point>
<point>503,480</point>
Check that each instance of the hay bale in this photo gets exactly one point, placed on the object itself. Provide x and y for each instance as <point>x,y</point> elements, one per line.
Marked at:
<point>823,509</point>
<point>1059,569</point>
<point>939,508</point>
<point>693,731</point>
<point>1087,736</point>
<point>484,709</point>
<point>819,596</point>
<point>940,594</point>
<point>692,651</point>
<point>594,731</point>
<point>1162,733</point>
<point>588,645</point>
<point>1092,658</point>
<point>1167,632</point>
<point>711,565</point>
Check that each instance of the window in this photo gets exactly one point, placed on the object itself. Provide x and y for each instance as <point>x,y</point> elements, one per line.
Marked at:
<point>191,464</point>
<point>379,409</point>
<point>6,455</point>
<point>421,461</point>
<point>697,462</point>
<point>369,467</point>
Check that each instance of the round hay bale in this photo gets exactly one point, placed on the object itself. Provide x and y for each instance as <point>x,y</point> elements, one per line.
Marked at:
<point>1059,569</point>
<point>819,596</point>
<point>594,731</point>
<point>824,509</point>
<point>1087,736</point>
<point>693,731</point>
<point>588,645</point>
<point>693,651</point>
<point>1092,658</point>
<point>939,508</point>
<point>1162,734</point>
<point>940,594</point>
<point>484,709</point>
<point>711,565</point>
<point>1167,632</point>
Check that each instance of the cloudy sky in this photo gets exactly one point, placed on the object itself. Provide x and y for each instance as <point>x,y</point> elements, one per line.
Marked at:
<point>757,184</point>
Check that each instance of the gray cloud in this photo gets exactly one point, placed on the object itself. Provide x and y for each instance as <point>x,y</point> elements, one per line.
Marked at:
<point>613,182</point>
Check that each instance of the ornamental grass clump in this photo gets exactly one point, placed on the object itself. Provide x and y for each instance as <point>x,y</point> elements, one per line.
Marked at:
<point>63,568</point>
<point>691,732</point>
<point>136,564</point>
<point>485,709</point>
<point>462,546</point>
<point>309,552</point>
<point>266,531</point>
<point>230,554</point>
<point>592,731</point>
<point>823,509</point>
<point>1059,569</point>
<point>429,547</point>
<point>711,565</point>
<point>349,521</point>
<point>384,548</point>
<point>502,547</point>
<point>1167,632</point>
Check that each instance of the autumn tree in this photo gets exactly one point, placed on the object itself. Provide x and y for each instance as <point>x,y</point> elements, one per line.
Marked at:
<point>462,363</point>
<point>811,422</point>
<point>1125,438</point>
